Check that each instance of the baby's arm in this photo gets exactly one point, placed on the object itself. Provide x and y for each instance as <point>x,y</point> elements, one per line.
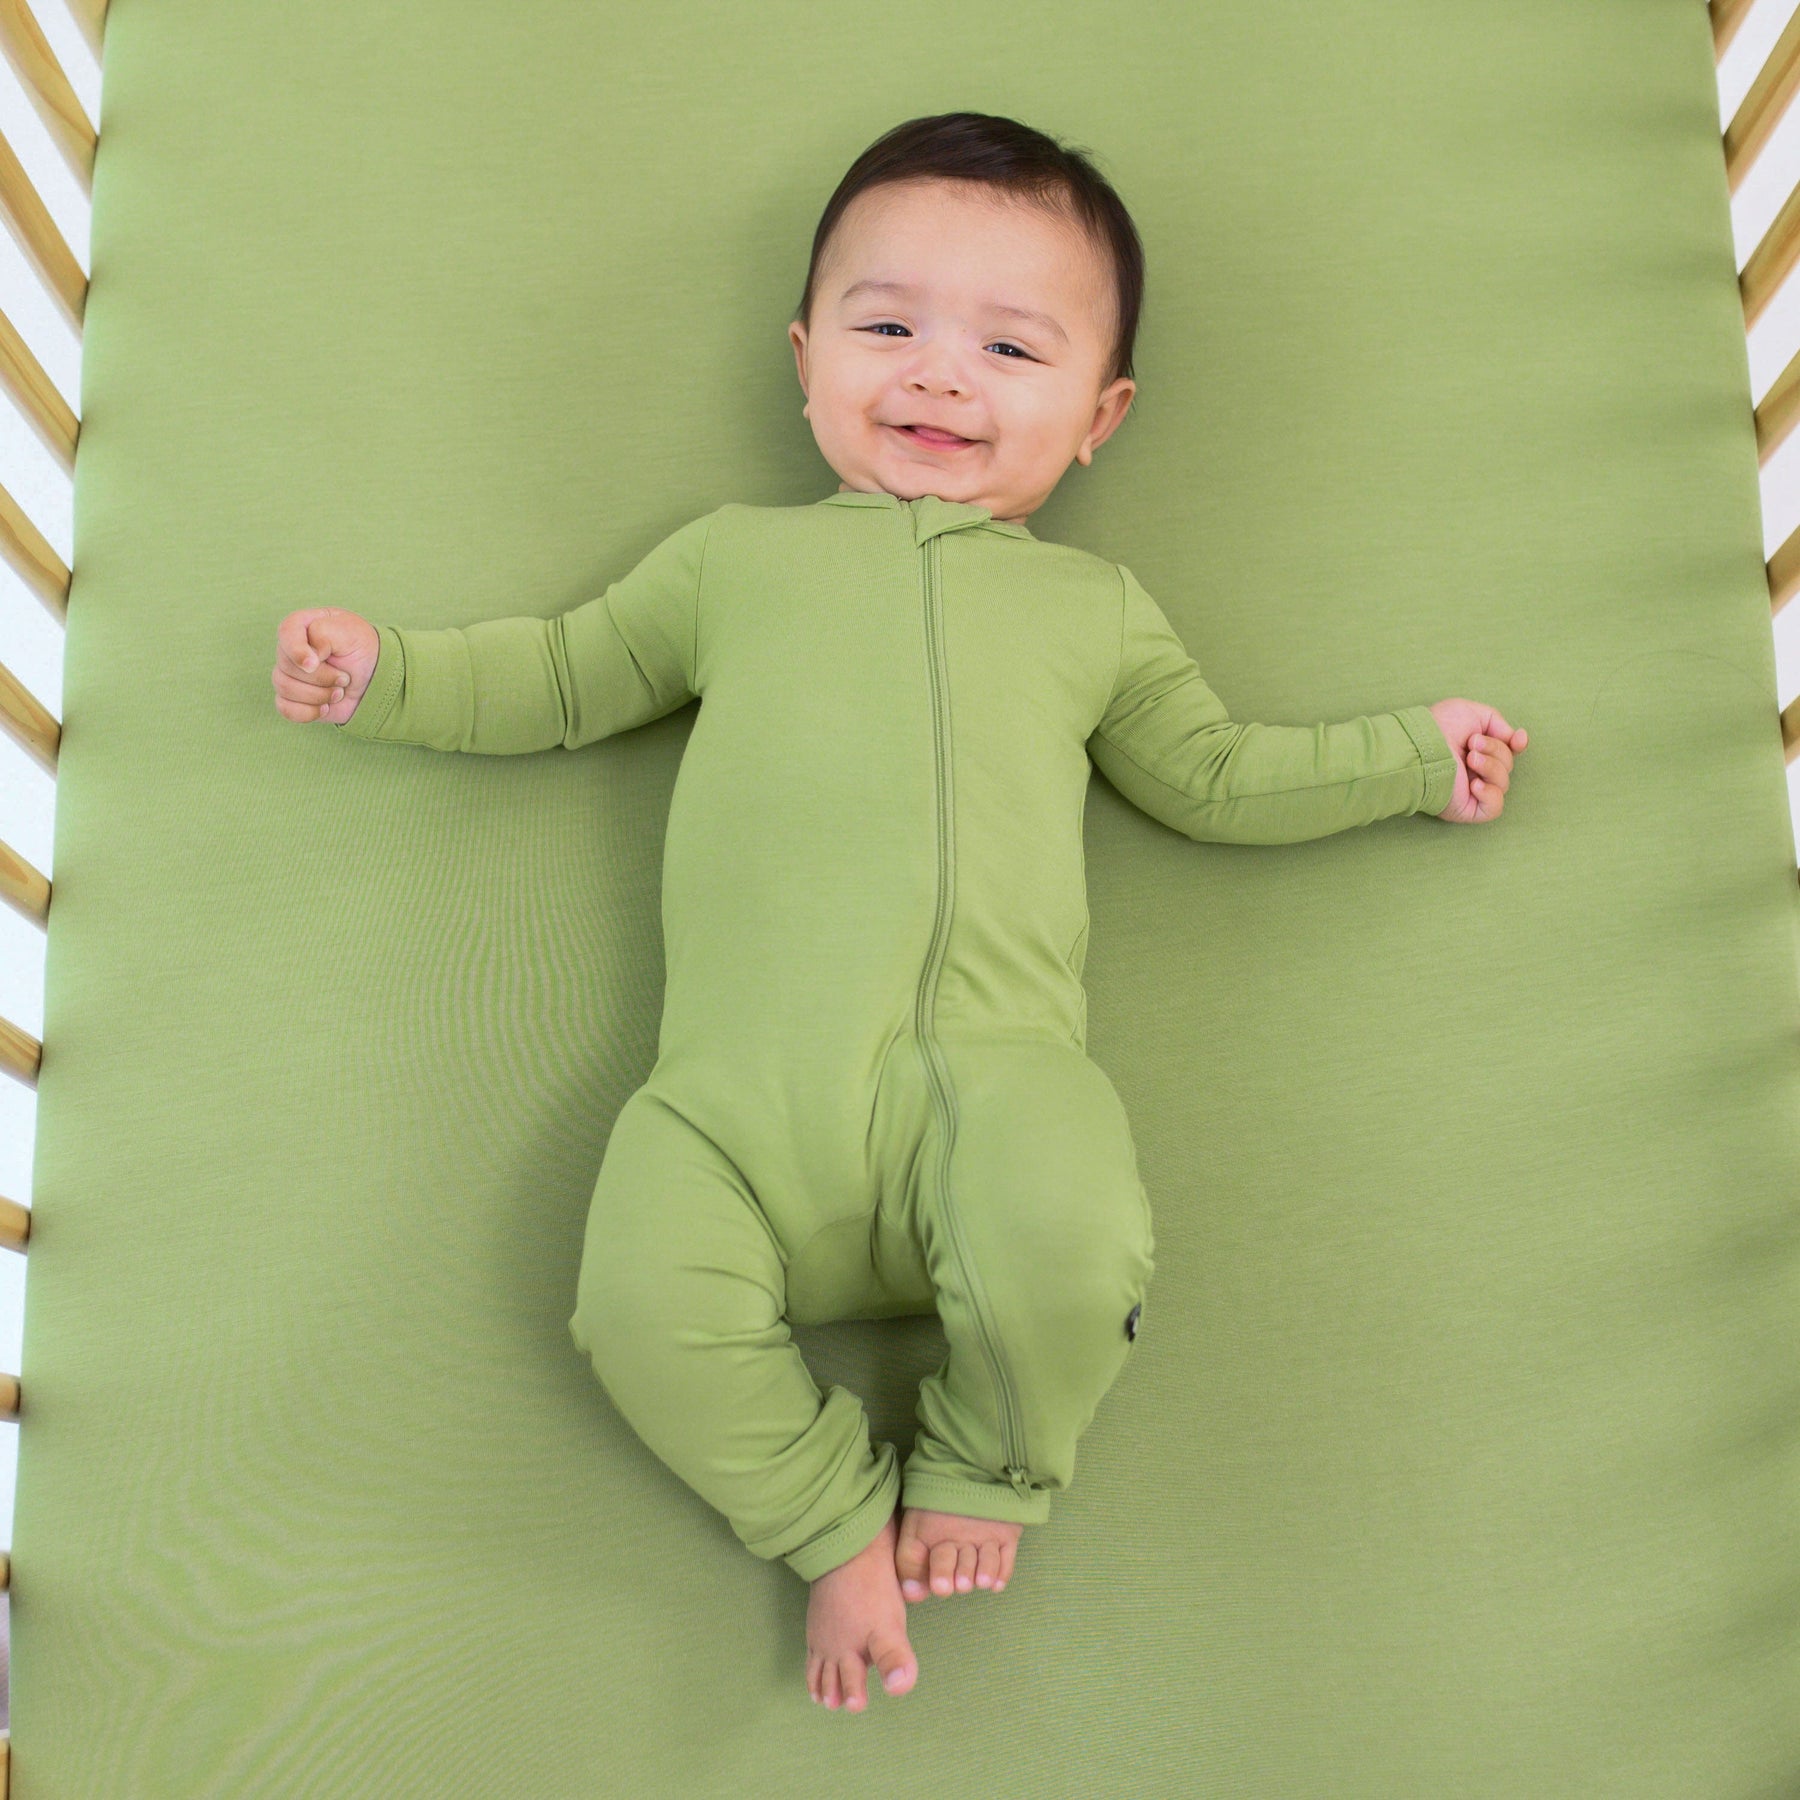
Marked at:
<point>503,686</point>
<point>1167,744</point>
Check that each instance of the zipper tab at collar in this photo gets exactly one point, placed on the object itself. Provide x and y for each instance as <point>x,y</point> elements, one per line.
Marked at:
<point>930,514</point>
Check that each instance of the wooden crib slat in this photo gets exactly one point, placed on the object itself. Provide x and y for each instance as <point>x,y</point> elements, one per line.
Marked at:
<point>25,888</point>
<point>90,15</point>
<point>1784,582</point>
<point>1727,16</point>
<point>1778,411</point>
<point>20,1053</point>
<point>15,1225</point>
<point>32,556</point>
<point>1784,573</point>
<point>29,220</point>
<point>48,90</point>
<point>1763,105</point>
<point>38,397</point>
<point>1772,259</point>
<point>27,723</point>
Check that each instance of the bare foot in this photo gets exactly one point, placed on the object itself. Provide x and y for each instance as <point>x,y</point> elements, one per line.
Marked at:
<point>855,1616</point>
<point>952,1552</point>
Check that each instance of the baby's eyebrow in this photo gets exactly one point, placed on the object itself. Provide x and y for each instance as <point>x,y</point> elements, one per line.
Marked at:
<point>869,285</point>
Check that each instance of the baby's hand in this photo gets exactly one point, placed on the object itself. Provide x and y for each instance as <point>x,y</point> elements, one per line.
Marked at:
<point>324,657</point>
<point>1484,745</point>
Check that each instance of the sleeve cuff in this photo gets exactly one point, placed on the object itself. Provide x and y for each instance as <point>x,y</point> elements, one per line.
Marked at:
<point>383,690</point>
<point>1435,756</point>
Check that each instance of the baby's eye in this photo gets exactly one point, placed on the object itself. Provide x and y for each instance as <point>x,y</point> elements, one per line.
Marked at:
<point>890,325</point>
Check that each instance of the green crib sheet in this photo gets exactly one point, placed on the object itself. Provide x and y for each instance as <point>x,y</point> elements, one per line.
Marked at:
<point>1460,1452</point>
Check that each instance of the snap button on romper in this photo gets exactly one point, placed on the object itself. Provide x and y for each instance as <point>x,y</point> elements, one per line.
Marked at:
<point>871,1093</point>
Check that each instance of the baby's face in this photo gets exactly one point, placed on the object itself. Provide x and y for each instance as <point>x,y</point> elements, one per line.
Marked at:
<point>1024,396</point>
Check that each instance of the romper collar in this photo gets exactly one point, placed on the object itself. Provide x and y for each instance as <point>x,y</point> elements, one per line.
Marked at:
<point>930,514</point>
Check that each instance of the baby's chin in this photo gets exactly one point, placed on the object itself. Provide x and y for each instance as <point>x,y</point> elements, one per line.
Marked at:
<point>951,477</point>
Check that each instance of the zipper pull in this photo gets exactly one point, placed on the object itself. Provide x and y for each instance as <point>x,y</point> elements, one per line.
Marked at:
<point>1020,1480</point>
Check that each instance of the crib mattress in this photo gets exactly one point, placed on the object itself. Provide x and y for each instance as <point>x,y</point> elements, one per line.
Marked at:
<point>1459,1451</point>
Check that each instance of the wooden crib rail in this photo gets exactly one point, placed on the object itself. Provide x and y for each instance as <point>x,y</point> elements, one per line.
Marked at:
<point>1764,106</point>
<point>32,557</point>
<point>37,397</point>
<point>29,220</point>
<point>48,90</point>
<point>30,724</point>
<point>25,720</point>
<point>1727,16</point>
<point>24,888</point>
<point>90,15</point>
<point>20,1053</point>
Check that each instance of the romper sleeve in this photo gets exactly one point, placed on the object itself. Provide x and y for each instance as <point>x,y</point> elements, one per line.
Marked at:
<point>1166,743</point>
<point>503,686</point>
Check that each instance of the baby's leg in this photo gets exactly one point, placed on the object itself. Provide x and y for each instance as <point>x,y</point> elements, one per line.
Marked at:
<point>1036,1230</point>
<point>680,1307</point>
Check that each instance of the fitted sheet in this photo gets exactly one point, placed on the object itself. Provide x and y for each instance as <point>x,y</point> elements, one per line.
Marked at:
<point>1458,1451</point>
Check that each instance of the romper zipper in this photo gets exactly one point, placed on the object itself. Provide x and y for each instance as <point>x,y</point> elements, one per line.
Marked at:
<point>924,1010</point>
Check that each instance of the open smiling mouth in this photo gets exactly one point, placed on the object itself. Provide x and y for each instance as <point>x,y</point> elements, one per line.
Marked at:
<point>928,439</point>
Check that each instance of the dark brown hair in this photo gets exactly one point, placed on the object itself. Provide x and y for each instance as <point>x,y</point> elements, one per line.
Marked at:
<point>1016,160</point>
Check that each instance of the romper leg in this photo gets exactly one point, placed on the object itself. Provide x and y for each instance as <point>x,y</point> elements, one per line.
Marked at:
<point>1051,1238</point>
<point>680,1307</point>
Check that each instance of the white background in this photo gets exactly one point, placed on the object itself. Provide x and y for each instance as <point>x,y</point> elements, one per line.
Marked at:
<point>31,641</point>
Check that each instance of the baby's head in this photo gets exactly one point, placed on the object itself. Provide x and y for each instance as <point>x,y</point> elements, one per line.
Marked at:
<point>972,274</point>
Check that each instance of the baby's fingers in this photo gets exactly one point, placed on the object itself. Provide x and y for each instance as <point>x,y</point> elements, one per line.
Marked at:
<point>303,701</point>
<point>1513,738</point>
<point>306,640</point>
<point>1487,770</point>
<point>306,665</point>
<point>312,690</point>
<point>1496,753</point>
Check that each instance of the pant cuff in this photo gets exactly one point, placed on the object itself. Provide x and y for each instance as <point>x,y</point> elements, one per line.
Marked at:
<point>822,1554</point>
<point>975,1499</point>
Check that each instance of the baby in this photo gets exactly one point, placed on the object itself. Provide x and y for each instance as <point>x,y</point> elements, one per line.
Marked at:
<point>871,1094</point>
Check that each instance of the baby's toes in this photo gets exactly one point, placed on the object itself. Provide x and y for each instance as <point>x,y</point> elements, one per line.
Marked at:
<point>910,1566</point>
<point>966,1557</point>
<point>851,1673</point>
<point>943,1568</point>
<point>987,1565</point>
<point>895,1664</point>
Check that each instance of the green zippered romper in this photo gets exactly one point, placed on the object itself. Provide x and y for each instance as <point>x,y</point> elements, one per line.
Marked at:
<point>871,1094</point>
